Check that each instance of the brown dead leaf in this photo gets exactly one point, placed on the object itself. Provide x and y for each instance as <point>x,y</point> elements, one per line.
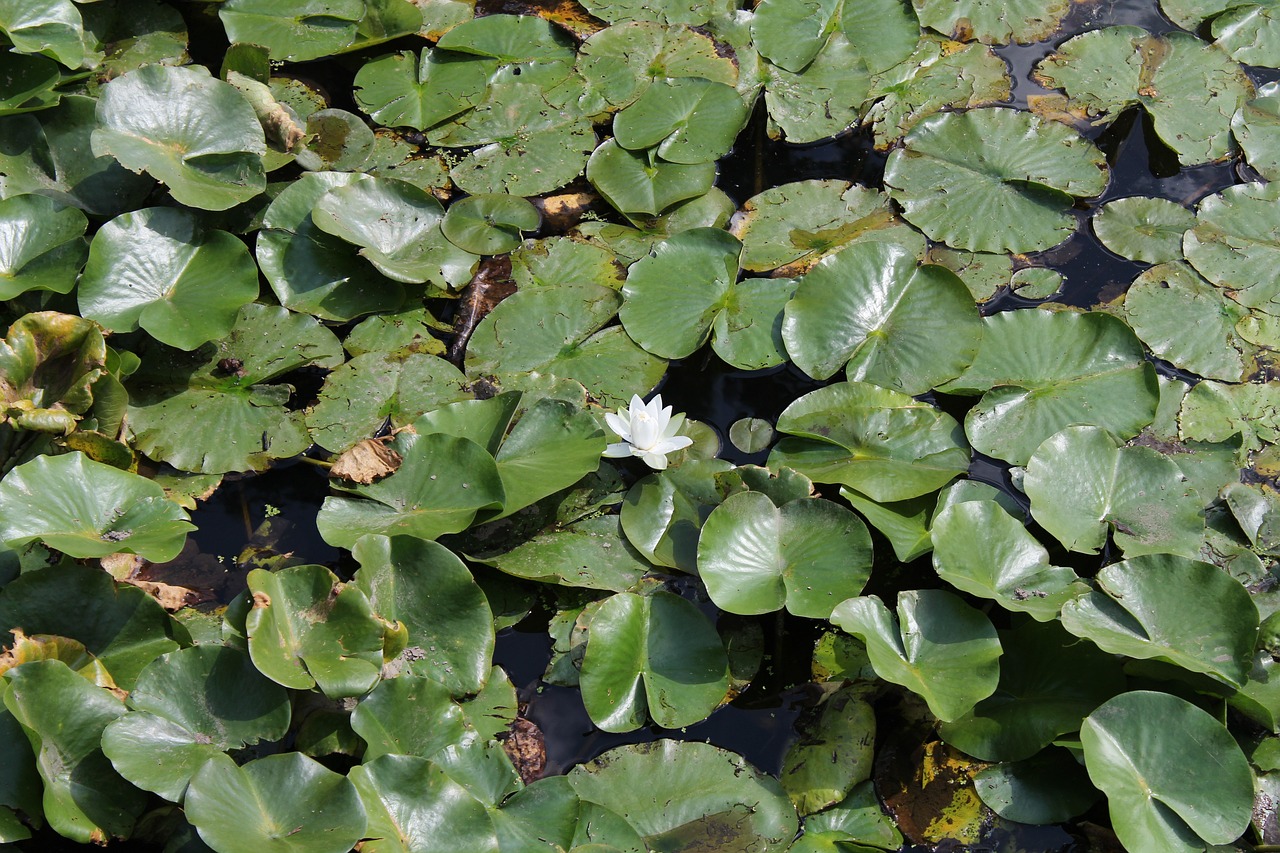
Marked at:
<point>172,598</point>
<point>368,461</point>
<point>1058,108</point>
<point>122,566</point>
<point>527,749</point>
<point>564,211</point>
<point>491,284</point>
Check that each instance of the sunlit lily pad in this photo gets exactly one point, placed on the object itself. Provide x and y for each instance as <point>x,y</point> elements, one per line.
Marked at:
<point>993,22</point>
<point>1212,411</point>
<point>1248,32</point>
<point>1190,90</point>
<point>408,715</point>
<point>833,754</point>
<point>53,28</point>
<point>898,324</point>
<point>1154,802</point>
<point>634,185</point>
<point>685,120</point>
<point>1233,243</point>
<point>821,100</point>
<point>622,61</point>
<point>994,180</point>
<point>938,647</point>
<point>652,656</point>
<point>1047,370</point>
<point>663,514</point>
<point>295,31</point>
<point>195,133</point>
<point>489,224</point>
<point>1256,126</point>
<point>1143,229</point>
<point>160,269</point>
<point>877,441</point>
<point>42,245</point>
<point>790,33</point>
<point>420,90</point>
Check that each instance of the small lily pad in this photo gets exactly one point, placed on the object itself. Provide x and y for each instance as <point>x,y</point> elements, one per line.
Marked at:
<point>1143,229</point>
<point>634,185</point>
<point>489,224</point>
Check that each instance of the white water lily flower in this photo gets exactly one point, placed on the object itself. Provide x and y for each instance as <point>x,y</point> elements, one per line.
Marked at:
<point>648,431</point>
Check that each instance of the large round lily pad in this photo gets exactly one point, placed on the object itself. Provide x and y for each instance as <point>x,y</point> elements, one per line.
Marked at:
<point>822,100</point>
<point>994,180</point>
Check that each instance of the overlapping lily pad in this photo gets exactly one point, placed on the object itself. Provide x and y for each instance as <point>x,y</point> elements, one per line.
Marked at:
<point>622,61</point>
<point>49,363</point>
<point>41,245</point>
<point>993,22</point>
<point>1248,32</point>
<point>1256,127</point>
<point>422,90</point>
<point>821,100</point>
<point>685,120</point>
<point>633,185</point>
<point>1232,243</point>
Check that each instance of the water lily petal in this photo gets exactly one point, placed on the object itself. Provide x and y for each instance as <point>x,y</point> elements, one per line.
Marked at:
<point>671,445</point>
<point>619,424</point>
<point>620,449</point>
<point>656,461</point>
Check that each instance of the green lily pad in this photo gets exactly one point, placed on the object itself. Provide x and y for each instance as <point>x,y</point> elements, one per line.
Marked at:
<point>408,715</point>
<point>1157,305</point>
<point>694,794</point>
<point>1143,229</point>
<point>859,817</point>
<point>980,549</point>
<point>1084,486</point>
<point>1172,609</point>
<point>821,100</point>
<point>592,553</point>
<point>1050,787</point>
<point>314,272</point>
<point>685,120</point>
<point>489,224</point>
<point>248,807</point>
<point>423,585</point>
<point>992,22</point>
<point>793,226</point>
<point>939,647</point>
<point>557,261</point>
<point>1232,243</point>
<point>654,652</point>
<point>1048,370</point>
<point>690,12</point>
<point>833,754</point>
<point>523,41</point>
<point>751,435</point>
<point>63,716</point>
<point>50,363</point>
<point>663,514</point>
<point>158,268</point>
<point>53,28</point>
<point>983,273</point>
<point>420,90</point>
<point>1154,803</point>
<point>191,131</point>
<point>1190,90</point>
<point>809,555</point>
<point>634,185</point>
<point>413,805</point>
<point>1049,682</point>
<point>898,324</point>
<point>32,83</point>
<point>87,509</point>
<point>441,485</point>
<point>935,77</point>
<point>182,713</point>
<point>1257,511</point>
<point>397,227</point>
<point>620,62</point>
<point>295,31</point>
<point>336,140</point>
<point>306,630</point>
<point>994,180</point>
<point>42,245</point>
<point>1036,282</point>
<point>790,33</point>
<point>1212,411</point>
<point>1248,32</point>
<point>1256,127</point>
<point>216,409</point>
<point>136,34</point>
<point>874,440</point>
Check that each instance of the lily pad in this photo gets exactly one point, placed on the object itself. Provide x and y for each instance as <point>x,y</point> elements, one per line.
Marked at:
<point>880,442</point>
<point>1048,370</point>
<point>1173,609</point>
<point>992,22</point>
<point>634,185</point>
<point>656,653</point>
<point>160,269</point>
<point>685,120</point>
<point>898,324</point>
<point>408,715</point>
<point>822,100</point>
<point>1154,803</point>
<point>1232,243</point>
<point>1248,32</point>
<point>296,31</point>
<point>420,90</point>
<point>808,554</point>
<point>87,509</point>
<point>620,62</point>
<point>994,180</point>
<point>53,28</point>
<point>1212,411</point>
<point>592,553</point>
<point>1050,787</point>
<point>49,363</point>
<point>939,647</point>
<point>489,224</point>
<point>1084,486</point>
<point>790,33</point>
<point>413,805</point>
<point>663,514</point>
<point>833,754</point>
<point>1190,89</point>
<point>42,245</point>
<point>191,131</point>
<point>243,808</point>
<point>1256,127</point>
<point>1143,229</point>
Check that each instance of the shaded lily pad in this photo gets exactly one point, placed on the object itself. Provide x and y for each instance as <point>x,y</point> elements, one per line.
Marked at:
<point>663,514</point>
<point>991,21</point>
<point>336,140</point>
<point>53,28</point>
<point>42,245</point>
<point>897,324</point>
<point>1143,229</point>
<point>632,184</point>
<point>1212,411</point>
<point>1190,90</point>
<point>1047,370</point>
<point>1050,787</point>
<point>49,363</point>
<point>1084,487</point>
<point>1154,803</point>
<point>877,441</point>
<point>994,180</point>
<point>1233,243</point>
<point>296,31</point>
<point>833,754</point>
<point>652,656</point>
<point>1248,32</point>
<point>939,647</point>
<point>592,553</point>
<point>191,131</point>
<point>685,120</point>
<point>160,269</point>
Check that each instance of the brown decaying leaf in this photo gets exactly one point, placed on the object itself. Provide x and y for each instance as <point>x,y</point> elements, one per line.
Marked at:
<point>492,284</point>
<point>527,748</point>
<point>366,462</point>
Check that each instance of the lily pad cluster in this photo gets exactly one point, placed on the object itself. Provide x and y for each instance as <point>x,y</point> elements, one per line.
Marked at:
<point>431,249</point>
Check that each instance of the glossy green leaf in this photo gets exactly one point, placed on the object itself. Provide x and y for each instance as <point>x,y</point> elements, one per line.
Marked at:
<point>294,31</point>
<point>1049,370</point>
<point>1212,411</point>
<point>414,807</point>
<point>822,100</point>
<point>187,707</point>
<point>633,185</point>
<point>874,440</point>
<point>654,652</point>
<point>939,647</point>
<point>285,802</point>
<point>685,120</point>
<point>419,90</point>
<point>32,82</point>
<point>53,28</point>
<point>408,715</point>
<point>1246,31</point>
<point>1050,787</point>
<point>1084,487</point>
<point>663,514</point>
<point>897,324</point>
<point>833,754</point>
<point>1143,229</point>
<point>592,553</point>
<point>994,180</point>
<point>1256,127</point>
<point>621,62</point>
<point>306,629</point>
<point>424,586</point>
<point>1154,802</point>
<point>809,555</point>
<point>1190,90</point>
<point>42,245</point>
<point>489,224</point>
<point>694,794</point>
<point>160,269</point>
<point>1173,609</point>
<point>193,132</point>
<point>790,33</point>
